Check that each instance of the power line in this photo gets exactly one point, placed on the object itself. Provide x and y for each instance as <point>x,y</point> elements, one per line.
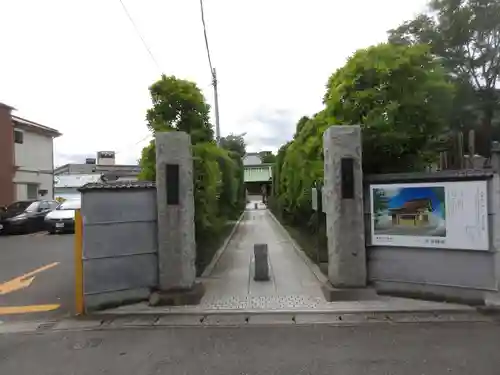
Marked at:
<point>214,76</point>
<point>206,38</point>
<point>143,139</point>
<point>132,145</point>
<point>140,36</point>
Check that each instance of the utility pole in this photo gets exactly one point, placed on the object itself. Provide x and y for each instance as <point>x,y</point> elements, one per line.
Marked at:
<point>216,105</point>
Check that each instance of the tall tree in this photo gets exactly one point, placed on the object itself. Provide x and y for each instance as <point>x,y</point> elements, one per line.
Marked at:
<point>267,157</point>
<point>235,143</point>
<point>179,105</point>
<point>300,125</point>
<point>400,97</point>
<point>465,35</point>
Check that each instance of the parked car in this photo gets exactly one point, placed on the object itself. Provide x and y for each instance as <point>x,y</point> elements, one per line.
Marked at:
<point>25,216</point>
<point>62,219</point>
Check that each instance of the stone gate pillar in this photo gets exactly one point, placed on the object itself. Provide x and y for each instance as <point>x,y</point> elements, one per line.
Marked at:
<point>176,228</point>
<point>343,189</point>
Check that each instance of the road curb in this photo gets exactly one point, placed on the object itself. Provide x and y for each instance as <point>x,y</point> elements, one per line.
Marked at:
<point>209,269</point>
<point>241,320</point>
<point>195,311</point>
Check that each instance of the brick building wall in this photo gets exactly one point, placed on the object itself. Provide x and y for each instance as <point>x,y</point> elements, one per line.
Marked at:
<point>6,155</point>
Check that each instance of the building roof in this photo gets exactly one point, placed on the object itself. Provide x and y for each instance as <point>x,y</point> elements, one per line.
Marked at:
<point>72,181</point>
<point>118,185</point>
<point>412,206</point>
<point>122,169</point>
<point>30,125</point>
<point>261,165</point>
<point>3,105</point>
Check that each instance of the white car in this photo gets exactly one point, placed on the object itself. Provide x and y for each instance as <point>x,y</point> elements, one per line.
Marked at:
<point>62,219</point>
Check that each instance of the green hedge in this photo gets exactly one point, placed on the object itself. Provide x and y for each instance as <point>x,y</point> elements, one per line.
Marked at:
<point>218,194</point>
<point>179,105</point>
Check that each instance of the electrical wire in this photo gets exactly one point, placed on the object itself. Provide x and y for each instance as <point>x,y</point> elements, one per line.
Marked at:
<point>135,144</point>
<point>206,38</point>
<point>140,36</point>
<point>212,74</point>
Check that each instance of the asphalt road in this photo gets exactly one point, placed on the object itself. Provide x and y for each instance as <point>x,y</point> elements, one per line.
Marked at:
<point>409,349</point>
<point>51,257</point>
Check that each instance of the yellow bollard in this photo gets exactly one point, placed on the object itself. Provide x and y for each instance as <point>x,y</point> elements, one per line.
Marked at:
<point>79,302</point>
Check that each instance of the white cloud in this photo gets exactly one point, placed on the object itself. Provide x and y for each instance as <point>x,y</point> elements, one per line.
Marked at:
<point>81,68</point>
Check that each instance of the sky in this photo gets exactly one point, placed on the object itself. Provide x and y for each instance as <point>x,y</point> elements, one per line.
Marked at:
<point>80,67</point>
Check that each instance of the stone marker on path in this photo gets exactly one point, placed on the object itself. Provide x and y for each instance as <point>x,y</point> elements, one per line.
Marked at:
<point>261,271</point>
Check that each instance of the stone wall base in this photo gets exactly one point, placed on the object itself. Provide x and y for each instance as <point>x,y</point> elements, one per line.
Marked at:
<point>430,292</point>
<point>333,294</point>
<point>183,297</point>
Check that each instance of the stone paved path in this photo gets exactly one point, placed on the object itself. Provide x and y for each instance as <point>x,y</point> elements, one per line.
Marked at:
<point>231,285</point>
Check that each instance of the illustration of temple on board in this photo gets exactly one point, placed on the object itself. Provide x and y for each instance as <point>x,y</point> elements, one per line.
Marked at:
<point>412,213</point>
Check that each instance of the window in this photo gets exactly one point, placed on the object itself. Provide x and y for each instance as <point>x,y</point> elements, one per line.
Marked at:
<point>18,137</point>
<point>21,206</point>
<point>44,205</point>
<point>33,207</point>
<point>32,191</point>
<point>73,204</point>
<point>53,205</point>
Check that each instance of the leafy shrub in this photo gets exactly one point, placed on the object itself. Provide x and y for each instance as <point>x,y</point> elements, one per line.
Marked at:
<point>178,105</point>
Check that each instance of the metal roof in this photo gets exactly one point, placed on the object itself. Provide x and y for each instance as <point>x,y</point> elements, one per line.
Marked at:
<point>63,181</point>
<point>118,185</point>
<point>125,168</point>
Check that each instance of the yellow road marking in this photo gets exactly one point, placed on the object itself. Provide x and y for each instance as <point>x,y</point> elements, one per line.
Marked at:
<point>8,310</point>
<point>23,281</point>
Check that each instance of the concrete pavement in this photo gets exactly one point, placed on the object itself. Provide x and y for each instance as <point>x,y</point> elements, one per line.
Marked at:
<point>410,349</point>
<point>48,259</point>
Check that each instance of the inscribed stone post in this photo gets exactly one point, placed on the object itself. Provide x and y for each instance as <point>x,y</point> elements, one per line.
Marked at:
<point>176,231</point>
<point>261,272</point>
<point>343,192</point>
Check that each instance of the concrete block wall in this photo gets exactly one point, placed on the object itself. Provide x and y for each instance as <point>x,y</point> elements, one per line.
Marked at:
<point>120,246</point>
<point>470,276</point>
